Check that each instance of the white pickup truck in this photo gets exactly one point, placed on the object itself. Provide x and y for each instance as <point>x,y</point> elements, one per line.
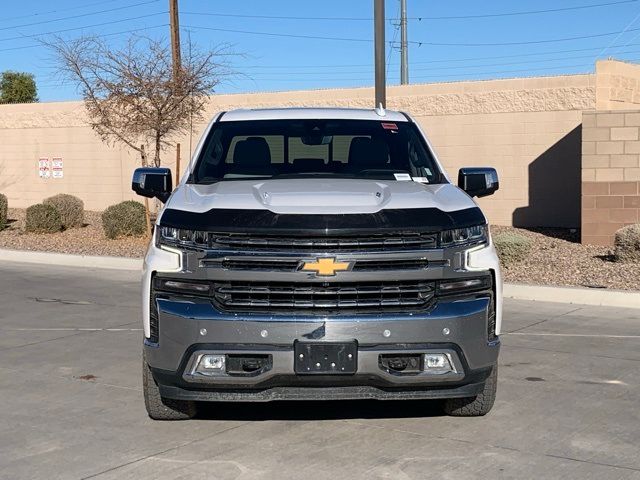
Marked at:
<point>319,254</point>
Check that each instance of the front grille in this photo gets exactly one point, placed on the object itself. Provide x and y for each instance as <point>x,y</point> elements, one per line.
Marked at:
<point>266,296</point>
<point>377,265</point>
<point>380,242</point>
<point>293,265</point>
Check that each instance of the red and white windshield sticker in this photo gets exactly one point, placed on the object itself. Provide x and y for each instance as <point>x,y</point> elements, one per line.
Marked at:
<point>389,126</point>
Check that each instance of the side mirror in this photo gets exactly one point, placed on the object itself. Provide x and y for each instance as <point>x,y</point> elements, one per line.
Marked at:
<point>478,181</point>
<point>152,182</point>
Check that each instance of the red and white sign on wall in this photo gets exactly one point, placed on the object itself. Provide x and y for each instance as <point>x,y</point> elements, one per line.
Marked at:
<point>44,168</point>
<point>56,167</point>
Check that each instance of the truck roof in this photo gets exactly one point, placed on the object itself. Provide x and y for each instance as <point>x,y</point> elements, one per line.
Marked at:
<point>312,113</point>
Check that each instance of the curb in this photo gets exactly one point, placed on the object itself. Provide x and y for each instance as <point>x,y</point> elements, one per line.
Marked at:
<point>577,295</point>
<point>539,293</point>
<point>67,260</point>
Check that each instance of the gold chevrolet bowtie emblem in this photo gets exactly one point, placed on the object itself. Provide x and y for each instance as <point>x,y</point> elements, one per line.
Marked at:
<point>326,267</point>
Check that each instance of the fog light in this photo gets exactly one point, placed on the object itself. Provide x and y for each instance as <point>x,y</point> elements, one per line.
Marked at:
<point>438,363</point>
<point>211,364</point>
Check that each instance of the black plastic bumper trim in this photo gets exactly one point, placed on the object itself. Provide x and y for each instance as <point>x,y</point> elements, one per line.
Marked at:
<point>319,393</point>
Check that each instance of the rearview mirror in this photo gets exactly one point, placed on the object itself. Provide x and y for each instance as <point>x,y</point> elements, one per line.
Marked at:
<point>152,182</point>
<point>478,181</point>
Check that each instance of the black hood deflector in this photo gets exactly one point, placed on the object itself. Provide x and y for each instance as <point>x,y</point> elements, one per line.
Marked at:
<point>270,223</point>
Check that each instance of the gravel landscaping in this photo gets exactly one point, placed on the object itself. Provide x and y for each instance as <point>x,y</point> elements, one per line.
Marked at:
<point>86,240</point>
<point>556,257</point>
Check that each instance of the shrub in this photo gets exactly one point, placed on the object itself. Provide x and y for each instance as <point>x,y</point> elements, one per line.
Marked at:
<point>4,206</point>
<point>627,244</point>
<point>43,219</point>
<point>124,219</point>
<point>512,247</point>
<point>70,208</point>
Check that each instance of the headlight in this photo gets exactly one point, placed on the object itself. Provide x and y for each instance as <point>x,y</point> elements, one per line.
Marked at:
<point>180,237</point>
<point>464,236</point>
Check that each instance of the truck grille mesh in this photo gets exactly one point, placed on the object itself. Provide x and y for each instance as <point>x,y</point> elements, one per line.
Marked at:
<point>265,296</point>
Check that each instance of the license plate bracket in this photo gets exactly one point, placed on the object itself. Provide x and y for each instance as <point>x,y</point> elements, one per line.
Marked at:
<point>326,358</point>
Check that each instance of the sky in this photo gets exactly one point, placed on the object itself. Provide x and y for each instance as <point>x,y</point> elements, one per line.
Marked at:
<point>296,44</point>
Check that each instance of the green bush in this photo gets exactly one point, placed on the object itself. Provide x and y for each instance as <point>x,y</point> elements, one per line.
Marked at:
<point>43,219</point>
<point>70,208</point>
<point>627,244</point>
<point>512,247</point>
<point>124,219</point>
<point>4,206</point>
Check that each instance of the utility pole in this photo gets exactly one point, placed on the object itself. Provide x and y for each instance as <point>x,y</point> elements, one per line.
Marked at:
<point>404,45</point>
<point>379,25</point>
<point>175,38</point>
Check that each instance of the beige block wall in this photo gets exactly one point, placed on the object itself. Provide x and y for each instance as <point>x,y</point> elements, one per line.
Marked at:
<point>617,85</point>
<point>610,174</point>
<point>537,155</point>
<point>526,128</point>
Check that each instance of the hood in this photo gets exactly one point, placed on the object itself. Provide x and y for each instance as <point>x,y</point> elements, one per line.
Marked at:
<point>319,196</point>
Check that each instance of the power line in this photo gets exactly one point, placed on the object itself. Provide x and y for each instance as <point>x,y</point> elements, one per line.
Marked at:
<point>395,35</point>
<point>529,12</point>
<point>626,28</point>
<point>83,27</point>
<point>449,60</point>
<point>479,74</point>
<point>419,43</point>
<point>458,67</point>
<point>60,10</point>
<point>419,18</point>
<point>102,35</point>
<point>285,35</point>
<point>528,42</point>
<point>78,16</point>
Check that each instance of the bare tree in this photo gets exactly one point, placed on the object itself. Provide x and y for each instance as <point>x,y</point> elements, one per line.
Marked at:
<point>130,93</point>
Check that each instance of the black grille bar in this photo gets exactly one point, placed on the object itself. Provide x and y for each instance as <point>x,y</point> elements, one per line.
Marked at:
<point>261,295</point>
<point>400,241</point>
<point>293,265</point>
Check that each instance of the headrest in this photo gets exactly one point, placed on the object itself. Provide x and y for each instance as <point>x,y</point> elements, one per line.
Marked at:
<point>252,154</point>
<point>365,152</point>
<point>308,165</point>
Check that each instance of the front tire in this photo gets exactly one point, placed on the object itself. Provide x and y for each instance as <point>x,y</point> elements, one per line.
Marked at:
<point>158,407</point>
<point>477,406</point>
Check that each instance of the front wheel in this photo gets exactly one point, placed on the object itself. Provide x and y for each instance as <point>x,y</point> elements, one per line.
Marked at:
<point>158,407</point>
<point>476,406</point>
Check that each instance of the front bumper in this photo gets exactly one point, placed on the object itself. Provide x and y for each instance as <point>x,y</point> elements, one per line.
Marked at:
<point>188,328</point>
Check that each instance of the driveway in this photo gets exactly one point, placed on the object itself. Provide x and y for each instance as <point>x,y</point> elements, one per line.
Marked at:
<point>71,402</point>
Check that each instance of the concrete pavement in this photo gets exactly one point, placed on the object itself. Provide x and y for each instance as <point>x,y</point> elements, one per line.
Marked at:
<point>71,403</point>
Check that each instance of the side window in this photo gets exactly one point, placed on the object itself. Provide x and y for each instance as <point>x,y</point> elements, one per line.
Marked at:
<point>212,156</point>
<point>419,157</point>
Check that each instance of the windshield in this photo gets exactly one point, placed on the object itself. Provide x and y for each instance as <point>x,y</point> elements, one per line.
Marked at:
<point>316,148</point>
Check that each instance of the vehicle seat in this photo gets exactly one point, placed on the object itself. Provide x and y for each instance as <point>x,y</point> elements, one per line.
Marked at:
<point>252,157</point>
<point>368,153</point>
<point>305,165</point>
